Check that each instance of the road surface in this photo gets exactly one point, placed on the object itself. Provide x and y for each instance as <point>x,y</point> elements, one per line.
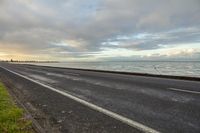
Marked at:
<point>156,104</point>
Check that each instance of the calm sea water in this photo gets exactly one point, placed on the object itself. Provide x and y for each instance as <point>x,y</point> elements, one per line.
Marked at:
<point>191,69</point>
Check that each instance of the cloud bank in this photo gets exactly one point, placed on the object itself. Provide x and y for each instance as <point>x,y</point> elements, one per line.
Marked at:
<point>95,29</point>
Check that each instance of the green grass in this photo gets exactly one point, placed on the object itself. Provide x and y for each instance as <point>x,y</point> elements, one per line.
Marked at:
<point>11,117</point>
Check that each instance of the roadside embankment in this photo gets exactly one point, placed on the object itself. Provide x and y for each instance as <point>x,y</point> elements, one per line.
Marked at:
<point>12,118</point>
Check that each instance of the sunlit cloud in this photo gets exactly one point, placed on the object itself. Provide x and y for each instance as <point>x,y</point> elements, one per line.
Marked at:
<point>99,30</point>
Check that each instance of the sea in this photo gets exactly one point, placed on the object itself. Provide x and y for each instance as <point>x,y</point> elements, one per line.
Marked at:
<point>177,68</point>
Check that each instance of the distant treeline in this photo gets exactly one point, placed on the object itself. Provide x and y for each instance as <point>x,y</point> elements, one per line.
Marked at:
<point>30,61</point>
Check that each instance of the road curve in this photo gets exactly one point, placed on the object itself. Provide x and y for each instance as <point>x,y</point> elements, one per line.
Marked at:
<point>164,105</point>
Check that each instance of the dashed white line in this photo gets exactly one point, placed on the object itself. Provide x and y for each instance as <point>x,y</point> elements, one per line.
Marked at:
<point>114,115</point>
<point>181,90</point>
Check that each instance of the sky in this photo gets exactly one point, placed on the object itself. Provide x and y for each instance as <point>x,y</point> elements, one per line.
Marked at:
<point>100,30</point>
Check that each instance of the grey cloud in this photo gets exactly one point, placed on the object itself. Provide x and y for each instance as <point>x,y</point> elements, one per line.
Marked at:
<point>193,57</point>
<point>159,40</point>
<point>35,25</point>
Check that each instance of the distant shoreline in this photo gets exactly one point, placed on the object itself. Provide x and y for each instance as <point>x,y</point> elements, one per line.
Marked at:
<point>15,61</point>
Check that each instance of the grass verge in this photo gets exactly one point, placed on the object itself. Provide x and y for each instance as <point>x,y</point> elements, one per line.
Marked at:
<point>12,119</point>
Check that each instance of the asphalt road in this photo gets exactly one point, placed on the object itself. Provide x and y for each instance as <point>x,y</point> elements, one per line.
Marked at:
<point>165,105</point>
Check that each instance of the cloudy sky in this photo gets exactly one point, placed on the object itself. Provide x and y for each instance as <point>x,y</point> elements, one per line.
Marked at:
<point>100,30</point>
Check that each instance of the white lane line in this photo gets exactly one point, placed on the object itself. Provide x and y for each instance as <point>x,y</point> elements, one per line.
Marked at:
<point>74,74</point>
<point>181,90</point>
<point>116,116</point>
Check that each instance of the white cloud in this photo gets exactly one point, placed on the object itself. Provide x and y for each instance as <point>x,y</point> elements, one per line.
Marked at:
<point>91,26</point>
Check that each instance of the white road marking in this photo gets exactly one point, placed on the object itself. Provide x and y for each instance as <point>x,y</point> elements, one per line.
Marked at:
<point>181,90</point>
<point>75,74</point>
<point>116,116</point>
